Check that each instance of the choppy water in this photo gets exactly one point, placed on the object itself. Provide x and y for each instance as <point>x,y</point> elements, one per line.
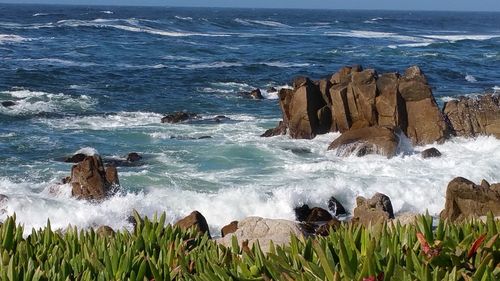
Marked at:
<point>102,77</point>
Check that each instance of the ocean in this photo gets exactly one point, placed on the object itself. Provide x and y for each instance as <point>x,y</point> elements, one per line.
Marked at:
<point>95,78</point>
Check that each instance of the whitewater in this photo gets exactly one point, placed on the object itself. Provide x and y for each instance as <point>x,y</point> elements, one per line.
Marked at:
<point>100,79</point>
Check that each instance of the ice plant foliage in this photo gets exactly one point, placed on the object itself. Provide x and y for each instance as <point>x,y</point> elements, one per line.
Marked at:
<point>156,251</point>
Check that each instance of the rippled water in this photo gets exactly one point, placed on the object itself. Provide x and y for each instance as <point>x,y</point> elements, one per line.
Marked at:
<point>102,77</point>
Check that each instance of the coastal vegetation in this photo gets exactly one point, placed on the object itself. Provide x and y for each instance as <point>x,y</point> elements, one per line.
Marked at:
<point>154,250</point>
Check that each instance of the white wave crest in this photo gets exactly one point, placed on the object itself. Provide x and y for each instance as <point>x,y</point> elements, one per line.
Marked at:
<point>470,78</point>
<point>455,38</point>
<point>89,151</point>
<point>496,89</point>
<point>11,38</point>
<point>286,64</point>
<point>269,23</point>
<point>219,64</point>
<point>33,102</point>
<point>184,18</point>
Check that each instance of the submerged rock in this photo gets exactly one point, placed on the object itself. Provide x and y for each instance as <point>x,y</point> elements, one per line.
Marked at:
<point>179,116</point>
<point>133,157</point>
<point>370,140</point>
<point>196,220</point>
<point>374,210</point>
<point>89,179</point>
<point>431,152</point>
<point>255,94</point>
<point>465,199</point>
<point>8,103</point>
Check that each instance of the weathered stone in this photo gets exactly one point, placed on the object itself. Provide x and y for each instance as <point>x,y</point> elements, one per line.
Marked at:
<point>254,94</point>
<point>374,210</point>
<point>77,158</point>
<point>425,123</point>
<point>178,117</point>
<point>300,81</point>
<point>324,229</point>
<point>263,230</point>
<point>465,199</point>
<point>105,230</point>
<point>324,87</point>
<point>361,97</point>
<point>336,207</point>
<point>196,220</point>
<point>230,228</point>
<point>134,157</point>
<point>88,179</point>
<point>431,152</point>
<point>471,117</point>
<point>318,214</point>
<point>281,129</point>
<point>302,212</point>
<point>390,105</point>
<point>370,140</point>
<point>112,175</point>
<point>340,108</point>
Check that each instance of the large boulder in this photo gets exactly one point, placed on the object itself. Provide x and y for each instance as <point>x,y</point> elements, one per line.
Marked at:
<point>425,122</point>
<point>89,179</point>
<point>370,140</point>
<point>470,117</point>
<point>196,220</point>
<point>253,229</point>
<point>304,112</point>
<point>390,105</point>
<point>361,96</point>
<point>374,210</point>
<point>465,199</point>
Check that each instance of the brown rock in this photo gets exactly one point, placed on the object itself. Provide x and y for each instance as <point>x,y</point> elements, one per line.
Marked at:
<point>431,152</point>
<point>255,94</point>
<point>485,184</point>
<point>133,157</point>
<point>112,175</point>
<point>470,117</point>
<point>300,81</point>
<point>88,179</point>
<point>281,129</point>
<point>336,207</point>
<point>425,124</point>
<point>390,105</point>
<point>196,220</point>
<point>230,228</point>
<point>302,212</point>
<point>318,214</point>
<point>324,87</point>
<point>341,116</point>
<point>77,158</point>
<point>370,140</point>
<point>374,210</point>
<point>177,117</point>
<point>465,199</point>
<point>361,97</point>
<point>325,229</point>
<point>105,230</point>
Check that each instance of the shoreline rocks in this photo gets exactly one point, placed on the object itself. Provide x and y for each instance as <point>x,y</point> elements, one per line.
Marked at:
<point>90,180</point>
<point>374,210</point>
<point>465,199</point>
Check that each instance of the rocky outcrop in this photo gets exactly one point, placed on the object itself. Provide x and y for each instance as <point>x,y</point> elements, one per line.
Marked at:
<point>369,140</point>
<point>431,153</point>
<point>354,98</point>
<point>425,123</point>
<point>77,158</point>
<point>304,112</point>
<point>336,207</point>
<point>133,157</point>
<point>196,220</point>
<point>177,117</point>
<point>255,94</point>
<point>253,229</point>
<point>89,179</point>
<point>105,230</point>
<point>374,210</point>
<point>465,199</point>
<point>230,228</point>
<point>470,117</point>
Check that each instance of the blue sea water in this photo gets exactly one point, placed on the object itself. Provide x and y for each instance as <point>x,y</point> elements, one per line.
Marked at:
<point>100,78</point>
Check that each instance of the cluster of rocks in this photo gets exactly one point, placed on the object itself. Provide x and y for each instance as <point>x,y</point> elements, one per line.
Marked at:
<point>374,110</point>
<point>182,116</point>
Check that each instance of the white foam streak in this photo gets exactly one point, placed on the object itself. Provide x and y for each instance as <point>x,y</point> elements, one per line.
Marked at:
<point>470,78</point>
<point>455,38</point>
<point>11,38</point>
<point>268,23</point>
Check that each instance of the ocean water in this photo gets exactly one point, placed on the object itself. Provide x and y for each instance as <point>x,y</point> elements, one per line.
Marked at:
<point>100,79</point>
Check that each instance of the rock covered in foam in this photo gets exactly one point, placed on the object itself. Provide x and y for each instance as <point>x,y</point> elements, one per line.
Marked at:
<point>254,94</point>
<point>253,229</point>
<point>431,153</point>
<point>370,140</point>
<point>8,103</point>
<point>465,199</point>
<point>177,117</point>
<point>89,179</point>
<point>470,117</point>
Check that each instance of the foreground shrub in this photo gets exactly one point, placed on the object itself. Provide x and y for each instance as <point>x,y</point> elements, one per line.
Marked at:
<point>153,251</point>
